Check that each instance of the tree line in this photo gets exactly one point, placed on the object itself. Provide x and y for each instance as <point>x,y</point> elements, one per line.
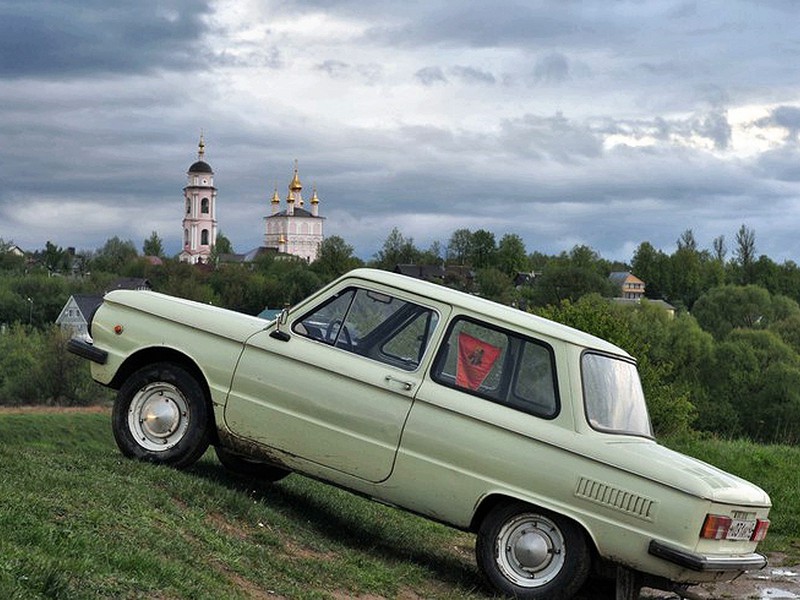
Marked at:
<point>728,362</point>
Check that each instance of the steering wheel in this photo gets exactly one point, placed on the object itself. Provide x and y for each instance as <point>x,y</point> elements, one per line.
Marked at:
<point>344,341</point>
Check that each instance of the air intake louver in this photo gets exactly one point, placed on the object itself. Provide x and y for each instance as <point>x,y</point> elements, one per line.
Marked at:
<point>626,502</point>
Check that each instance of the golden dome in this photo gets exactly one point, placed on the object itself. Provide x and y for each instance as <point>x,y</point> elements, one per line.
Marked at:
<point>275,198</point>
<point>295,185</point>
<point>314,197</point>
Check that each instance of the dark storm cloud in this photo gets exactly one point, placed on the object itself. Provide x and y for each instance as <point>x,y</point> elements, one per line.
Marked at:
<point>338,69</point>
<point>555,138</point>
<point>40,38</point>
<point>430,75</point>
<point>478,24</point>
<point>334,68</point>
<point>473,75</point>
<point>787,117</point>
<point>553,68</point>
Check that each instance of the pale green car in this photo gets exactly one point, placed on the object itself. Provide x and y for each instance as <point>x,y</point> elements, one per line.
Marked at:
<point>531,434</point>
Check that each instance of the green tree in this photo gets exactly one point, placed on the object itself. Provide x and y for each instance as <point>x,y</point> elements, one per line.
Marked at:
<point>459,248</point>
<point>153,246</point>
<point>512,258</point>
<point>484,249</point>
<point>560,280</point>
<point>114,255</point>
<point>223,244</point>
<point>397,250</point>
<point>652,267</point>
<point>686,241</point>
<point>750,379</point>
<point>9,261</point>
<point>335,258</point>
<point>720,249</point>
<point>745,254</point>
<point>685,285</point>
<point>55,259</point>
<point>184,281</point>
<point>495,285</point>
<point>723,309</point>
<point>433,255</point>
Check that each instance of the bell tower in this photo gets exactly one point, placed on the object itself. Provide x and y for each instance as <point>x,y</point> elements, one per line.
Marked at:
<point>199,211</point>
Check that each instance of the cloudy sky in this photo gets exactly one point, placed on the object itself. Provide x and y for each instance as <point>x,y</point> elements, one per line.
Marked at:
<point>597,122</point>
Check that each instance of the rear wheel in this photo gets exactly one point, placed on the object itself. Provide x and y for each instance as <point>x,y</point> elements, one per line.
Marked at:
<point>237,463</point>
<point>161,415</point>
<point>532,554</point>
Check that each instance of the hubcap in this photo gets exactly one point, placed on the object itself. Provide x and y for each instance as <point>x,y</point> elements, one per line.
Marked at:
<point>530,550</point>
<point>158,416</point>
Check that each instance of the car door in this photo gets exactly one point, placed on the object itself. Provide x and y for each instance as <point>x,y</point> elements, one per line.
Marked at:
<point>337,392</point>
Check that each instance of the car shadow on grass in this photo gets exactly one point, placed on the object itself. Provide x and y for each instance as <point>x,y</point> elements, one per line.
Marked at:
<point>365,528</point>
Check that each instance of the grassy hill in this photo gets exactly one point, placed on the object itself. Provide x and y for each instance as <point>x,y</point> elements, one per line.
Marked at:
<point>79,521</point>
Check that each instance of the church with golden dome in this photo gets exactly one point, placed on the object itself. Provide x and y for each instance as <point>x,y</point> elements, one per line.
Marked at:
<point>295,229</point>
<point>291,229</point>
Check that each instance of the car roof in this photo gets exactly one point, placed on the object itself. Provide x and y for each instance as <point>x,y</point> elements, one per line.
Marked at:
<point>514,318</point>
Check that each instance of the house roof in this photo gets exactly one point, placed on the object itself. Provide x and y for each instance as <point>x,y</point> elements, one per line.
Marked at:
<point>298,212</point>
<point>87,303</point>
<point>620,277</point>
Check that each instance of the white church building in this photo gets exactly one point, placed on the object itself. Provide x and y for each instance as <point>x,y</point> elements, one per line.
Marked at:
<point>294,230</point>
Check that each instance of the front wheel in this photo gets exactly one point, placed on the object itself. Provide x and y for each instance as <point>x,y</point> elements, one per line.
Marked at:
<point>532,554</point>
<point>161,415</point>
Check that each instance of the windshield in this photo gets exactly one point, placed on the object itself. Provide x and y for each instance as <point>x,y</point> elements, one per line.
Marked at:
<point>613,396</point>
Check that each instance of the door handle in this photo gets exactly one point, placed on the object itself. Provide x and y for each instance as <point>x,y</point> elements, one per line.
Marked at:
<point>406,384</point>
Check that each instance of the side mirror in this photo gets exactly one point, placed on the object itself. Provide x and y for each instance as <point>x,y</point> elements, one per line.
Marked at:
<point>280,321</point>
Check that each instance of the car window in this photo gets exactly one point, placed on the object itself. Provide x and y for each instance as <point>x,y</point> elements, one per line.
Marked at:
<point>372,324</point>
<point>613,396</point>
<point>498,365</point>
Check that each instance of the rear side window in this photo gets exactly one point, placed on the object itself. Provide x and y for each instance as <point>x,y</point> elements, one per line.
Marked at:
<point>498,365</point>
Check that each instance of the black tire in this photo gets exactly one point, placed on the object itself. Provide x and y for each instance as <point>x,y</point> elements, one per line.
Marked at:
<point>161,415</point>
<point>240,465</point>
<point>532,554</point>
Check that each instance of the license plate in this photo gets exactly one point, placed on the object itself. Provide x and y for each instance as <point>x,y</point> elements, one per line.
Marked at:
<point>741,529</point>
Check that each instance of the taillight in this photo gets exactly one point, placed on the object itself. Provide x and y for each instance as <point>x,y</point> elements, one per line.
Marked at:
<point>721,527</point>
<point>715,527</point>
<point>761,530</point>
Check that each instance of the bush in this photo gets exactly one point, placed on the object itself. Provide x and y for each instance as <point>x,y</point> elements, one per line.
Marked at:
<point>36,368</point>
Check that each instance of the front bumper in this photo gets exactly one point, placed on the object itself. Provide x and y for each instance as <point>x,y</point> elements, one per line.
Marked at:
<point>86,350</point>
<point>706,563</point>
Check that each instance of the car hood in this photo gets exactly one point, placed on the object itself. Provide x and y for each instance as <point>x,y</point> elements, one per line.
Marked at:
<point>658,463</point>
<point>212,319</point>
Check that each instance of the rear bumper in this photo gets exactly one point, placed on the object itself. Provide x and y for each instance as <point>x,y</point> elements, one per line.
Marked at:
<point>86,350</point>
<point>705,563</point>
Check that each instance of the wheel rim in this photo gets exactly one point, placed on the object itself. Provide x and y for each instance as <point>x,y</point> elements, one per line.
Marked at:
<point>530,550</point>
<point>158,416</point>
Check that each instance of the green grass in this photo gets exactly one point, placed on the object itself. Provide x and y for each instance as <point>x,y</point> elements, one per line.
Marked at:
<point>77,520</point>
